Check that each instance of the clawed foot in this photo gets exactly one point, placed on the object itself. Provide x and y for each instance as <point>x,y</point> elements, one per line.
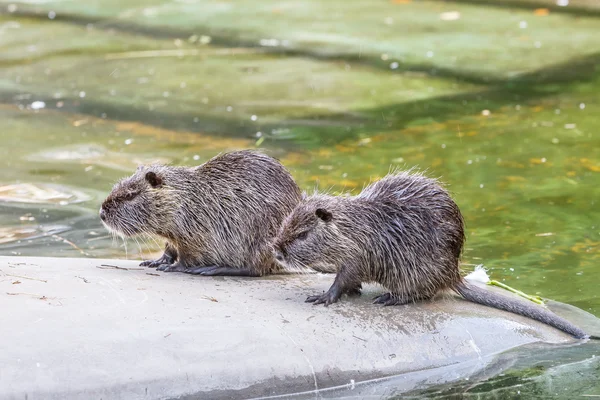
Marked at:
<point>215,270</point>
<point>202,270</point>
<point>331,296</point>
<point>163,260</point>
<point>327,298</point>
<point>154,263</point>
<point>177,267</point>
<point>387,299</point>
<point>382,298</point>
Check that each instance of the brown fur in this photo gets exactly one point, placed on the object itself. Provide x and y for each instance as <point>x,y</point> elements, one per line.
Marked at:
<point>404,232</point>
<point>217,219</point>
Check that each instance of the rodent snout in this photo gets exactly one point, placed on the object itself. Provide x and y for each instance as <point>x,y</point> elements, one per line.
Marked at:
<point>102,214</point>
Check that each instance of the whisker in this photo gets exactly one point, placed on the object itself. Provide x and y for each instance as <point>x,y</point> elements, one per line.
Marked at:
<point>135,239</point>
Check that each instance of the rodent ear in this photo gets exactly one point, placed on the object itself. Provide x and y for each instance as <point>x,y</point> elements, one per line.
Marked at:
<point>153,179</point>
<point>323,214</point>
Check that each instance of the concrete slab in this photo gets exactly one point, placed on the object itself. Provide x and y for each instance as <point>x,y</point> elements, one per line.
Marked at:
<point>88,328</point>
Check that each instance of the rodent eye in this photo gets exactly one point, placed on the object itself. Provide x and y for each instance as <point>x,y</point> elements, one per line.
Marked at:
<point>129,195</point>
<point>302,235</point>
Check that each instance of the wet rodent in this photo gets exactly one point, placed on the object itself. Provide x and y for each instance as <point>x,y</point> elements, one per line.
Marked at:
<point>404,232</point>
<point>218,218</point>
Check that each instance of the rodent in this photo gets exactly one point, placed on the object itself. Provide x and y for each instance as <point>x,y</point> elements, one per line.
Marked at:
<point>218,218</point>
<point>404,232</point>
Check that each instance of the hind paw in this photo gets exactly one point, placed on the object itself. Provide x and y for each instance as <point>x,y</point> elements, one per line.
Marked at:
<point>215,270</point>
<point>388,299</point>
<point>177,267</point>
<point>382,298</point>
<point>202,270</point>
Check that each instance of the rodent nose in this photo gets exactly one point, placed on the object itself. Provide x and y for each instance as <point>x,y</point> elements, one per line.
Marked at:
<point>102,214</point>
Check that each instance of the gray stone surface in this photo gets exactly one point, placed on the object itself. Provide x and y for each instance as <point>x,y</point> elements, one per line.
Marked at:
<point>73,328</point>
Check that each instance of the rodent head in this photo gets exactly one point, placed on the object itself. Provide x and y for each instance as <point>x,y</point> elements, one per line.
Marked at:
<point>136,204</point>
<point>309,238</point>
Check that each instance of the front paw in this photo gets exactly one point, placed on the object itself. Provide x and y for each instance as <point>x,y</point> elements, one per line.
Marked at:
<point>153,263</point>
<point>326,298</point>
<point>168,257</point>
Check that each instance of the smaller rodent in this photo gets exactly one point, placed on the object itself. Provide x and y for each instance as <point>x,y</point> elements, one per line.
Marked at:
<point>218,218</point>
<point>404,232</point>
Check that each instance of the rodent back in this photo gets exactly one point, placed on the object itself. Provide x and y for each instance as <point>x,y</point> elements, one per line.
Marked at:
<point>233,205</point>
<point>404,222</point>
<point>412,193</point>
<point>248,184</point>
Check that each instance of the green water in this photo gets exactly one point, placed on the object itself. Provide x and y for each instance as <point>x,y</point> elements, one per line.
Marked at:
<point>500,100</point>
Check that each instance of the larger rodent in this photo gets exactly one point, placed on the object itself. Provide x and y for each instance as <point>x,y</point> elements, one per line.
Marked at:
<point>404,232</point>
<point>218,218</point>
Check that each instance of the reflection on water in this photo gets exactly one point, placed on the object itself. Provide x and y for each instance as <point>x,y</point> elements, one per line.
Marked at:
<point>21,233</point>
<point>507,116</point>
<point>40,194</point>
<point>93,155</point>
<point>531,373</point>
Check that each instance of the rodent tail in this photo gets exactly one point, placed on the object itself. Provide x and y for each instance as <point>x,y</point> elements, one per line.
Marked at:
<point>478,295</point>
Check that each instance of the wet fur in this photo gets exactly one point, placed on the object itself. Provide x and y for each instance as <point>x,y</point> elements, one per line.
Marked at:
<point>404,232</point>
<point>217,217</point>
